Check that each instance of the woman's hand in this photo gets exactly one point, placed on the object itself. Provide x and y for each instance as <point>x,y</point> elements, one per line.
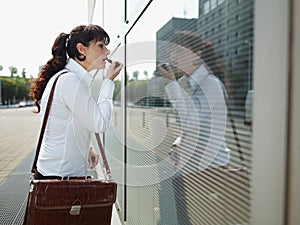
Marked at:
<point>114,70</point>
<point>93,158</point>
<point>166,71</point>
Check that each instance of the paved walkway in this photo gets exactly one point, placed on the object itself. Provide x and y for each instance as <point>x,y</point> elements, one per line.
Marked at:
<point>19,129</point>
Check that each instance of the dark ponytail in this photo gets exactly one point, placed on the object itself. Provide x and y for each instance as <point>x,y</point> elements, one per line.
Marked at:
<point>212,59</point>
<point>65,45</point>
<point>55,64</point>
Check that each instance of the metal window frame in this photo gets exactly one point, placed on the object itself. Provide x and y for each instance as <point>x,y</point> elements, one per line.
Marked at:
<point>271,111</point>
<point>292,216</point>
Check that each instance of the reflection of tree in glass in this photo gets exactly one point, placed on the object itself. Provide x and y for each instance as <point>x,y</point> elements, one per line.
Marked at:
<point>136,74</point>
<point>146,74</point>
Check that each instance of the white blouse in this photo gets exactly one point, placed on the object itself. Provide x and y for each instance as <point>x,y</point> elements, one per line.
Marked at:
<point>203,116</point>
<point>74,116</point>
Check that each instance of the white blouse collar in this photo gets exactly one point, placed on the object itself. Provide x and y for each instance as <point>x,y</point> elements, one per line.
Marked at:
<point>198,76</point>
<point>79,71</point>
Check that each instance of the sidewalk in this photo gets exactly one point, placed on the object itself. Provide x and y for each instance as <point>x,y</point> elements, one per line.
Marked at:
<point>19,129</point>
<point>18,137</point>
<point>13,193</point>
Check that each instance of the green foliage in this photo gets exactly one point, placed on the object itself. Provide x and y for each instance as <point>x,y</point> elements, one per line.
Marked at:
<point>117,89</point>
<point>13,70</point>
<point>146,74</point>
<point>23,73</point>
<point>14,89</point>
<point>136,75</point>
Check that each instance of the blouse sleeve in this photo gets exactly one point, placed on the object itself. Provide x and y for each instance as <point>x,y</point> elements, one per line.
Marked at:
<point>90,114</point>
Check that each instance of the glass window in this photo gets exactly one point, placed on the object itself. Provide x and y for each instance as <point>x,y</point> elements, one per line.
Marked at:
<point>114,26</point>
<point>206,7</point>
<point>135,8</point>
<point>186,115</point>
<point>213,4</point>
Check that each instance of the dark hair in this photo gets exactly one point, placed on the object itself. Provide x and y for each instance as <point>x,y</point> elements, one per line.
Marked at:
<point>194,42</point>
<point>65,45</point>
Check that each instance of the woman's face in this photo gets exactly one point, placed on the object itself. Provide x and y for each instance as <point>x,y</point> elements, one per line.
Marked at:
<point>96,53</point>
<point>183,59</point>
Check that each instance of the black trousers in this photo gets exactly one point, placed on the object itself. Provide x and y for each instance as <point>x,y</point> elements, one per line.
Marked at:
<point>38,176</point>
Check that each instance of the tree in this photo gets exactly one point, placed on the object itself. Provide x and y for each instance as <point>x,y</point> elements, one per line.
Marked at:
<point>14,89</point>
<point>13,70</point>
<point>21,89</point>
<point>146,74</point>
<point>1,68</point>
<point>8,90</point>
<point>117,90</point>
<point>23,73</point>
<point>136,74</point>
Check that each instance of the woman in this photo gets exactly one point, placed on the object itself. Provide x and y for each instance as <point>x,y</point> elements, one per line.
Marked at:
<point>199,99</point>
<point>74,114</point>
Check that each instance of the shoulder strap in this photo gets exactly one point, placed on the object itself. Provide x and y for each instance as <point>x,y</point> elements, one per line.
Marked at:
<point>236,135</point>
<point>46,115</point>
<point>102,151</point>
<point>234,130</point>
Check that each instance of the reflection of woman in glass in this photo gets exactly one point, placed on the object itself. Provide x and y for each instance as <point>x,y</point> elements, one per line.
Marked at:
<point>199,99</point>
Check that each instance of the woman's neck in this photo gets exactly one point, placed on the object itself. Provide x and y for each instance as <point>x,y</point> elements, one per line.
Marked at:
<point>83,64</point>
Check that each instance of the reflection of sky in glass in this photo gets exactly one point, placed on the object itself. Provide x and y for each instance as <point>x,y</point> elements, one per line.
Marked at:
<point>166,10</point>
<point>213,4</point>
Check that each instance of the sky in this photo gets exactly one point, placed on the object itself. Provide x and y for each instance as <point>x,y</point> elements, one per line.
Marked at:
<point>29,27</point>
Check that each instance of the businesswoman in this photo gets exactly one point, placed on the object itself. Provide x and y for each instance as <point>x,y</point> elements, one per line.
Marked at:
<point>74,113</point>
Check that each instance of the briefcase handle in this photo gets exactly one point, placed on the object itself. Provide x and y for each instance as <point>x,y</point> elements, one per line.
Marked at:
<point>45,119</point>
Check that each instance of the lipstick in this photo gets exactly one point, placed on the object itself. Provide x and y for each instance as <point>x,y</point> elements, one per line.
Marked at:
<point>110,61</point>
<point>164,66</point>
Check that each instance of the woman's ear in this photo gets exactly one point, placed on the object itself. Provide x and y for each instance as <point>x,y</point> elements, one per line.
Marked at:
<point>81,48</point>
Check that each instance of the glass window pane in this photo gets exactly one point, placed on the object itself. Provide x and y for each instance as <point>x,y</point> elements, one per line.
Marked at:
<point>213,4</point>
<point>206,7</point>
<point>188,114</point>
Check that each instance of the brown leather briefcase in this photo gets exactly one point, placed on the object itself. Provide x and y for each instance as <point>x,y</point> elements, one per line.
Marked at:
<point>76,201</point>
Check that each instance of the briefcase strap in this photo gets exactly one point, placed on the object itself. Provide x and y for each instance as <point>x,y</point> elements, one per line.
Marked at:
<point>45,119</point>
<point>234,130</point>
<point>236,137</point>
<point>103,155</point>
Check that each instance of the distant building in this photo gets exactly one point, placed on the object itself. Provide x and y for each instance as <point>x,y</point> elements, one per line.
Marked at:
<point>229,25</point>
<point>167,31</point>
